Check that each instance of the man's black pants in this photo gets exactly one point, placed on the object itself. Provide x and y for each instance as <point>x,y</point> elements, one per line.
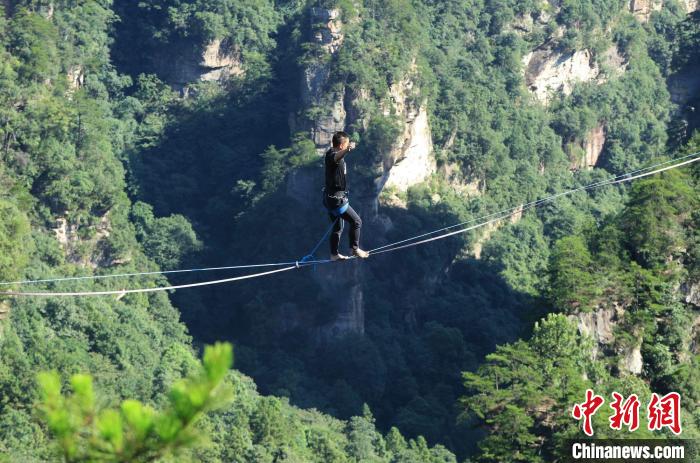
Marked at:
<point>355,223</point>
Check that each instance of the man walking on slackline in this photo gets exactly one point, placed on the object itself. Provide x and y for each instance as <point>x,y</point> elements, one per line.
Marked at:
<point>335,197</point>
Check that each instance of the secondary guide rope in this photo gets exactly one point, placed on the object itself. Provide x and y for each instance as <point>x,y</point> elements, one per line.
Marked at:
<point>513,211</point>
<point>307,260</point>
<point>147,290</point>
<point>538,201</point>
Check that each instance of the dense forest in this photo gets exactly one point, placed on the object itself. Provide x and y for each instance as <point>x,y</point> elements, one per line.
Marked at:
<point>167,134</point>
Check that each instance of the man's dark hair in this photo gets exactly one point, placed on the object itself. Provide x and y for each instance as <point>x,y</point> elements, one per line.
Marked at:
<point>338,138</point>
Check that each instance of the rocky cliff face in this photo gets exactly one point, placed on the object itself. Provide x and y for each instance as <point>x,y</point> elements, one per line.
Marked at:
<point>584,154</point>
<point>694,345</point>
<point>76,77</point>
<point>599,325</point>
<point>593,146</point>
<point>631,360</point>
<point>217,61</point>
<point>548,72</point>
<point>642,9</point>
<point>691,5</point>
<point>411,159</point>
<point>323,109</point>
<point>551,73</point>
<point>691,293</point>
<point>86,251</point>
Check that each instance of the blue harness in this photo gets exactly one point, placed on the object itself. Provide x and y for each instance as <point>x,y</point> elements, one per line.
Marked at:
<point>340,210</point>
<point>335,211</point>
<point>335,208</point>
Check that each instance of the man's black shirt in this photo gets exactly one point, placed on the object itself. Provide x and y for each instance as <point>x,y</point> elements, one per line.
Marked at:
<point>335,173</point>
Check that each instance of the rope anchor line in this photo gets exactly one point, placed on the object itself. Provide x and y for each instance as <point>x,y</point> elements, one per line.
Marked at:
<point>308,260</point>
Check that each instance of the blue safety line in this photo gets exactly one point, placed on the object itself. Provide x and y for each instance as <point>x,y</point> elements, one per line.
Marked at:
<point>309,258</point>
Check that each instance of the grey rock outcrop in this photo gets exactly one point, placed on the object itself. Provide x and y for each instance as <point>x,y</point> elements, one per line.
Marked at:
<point>691,5</point>
<point>598,325</point>
<point>548,71</point>
<point>584,154</point>
<point>217,61</point>
<point>411,160</point>
<point>327,28</point>
<point>691,292</point>
<point>694,346</point>
<point>322,108</point>
<point>632,361</point>
<point>76,77</point>
<point>642,9</point>
<point>88,252</point>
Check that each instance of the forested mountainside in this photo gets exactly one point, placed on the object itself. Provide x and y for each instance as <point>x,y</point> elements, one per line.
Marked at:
<point>69,122</point>
<point>157,135</point>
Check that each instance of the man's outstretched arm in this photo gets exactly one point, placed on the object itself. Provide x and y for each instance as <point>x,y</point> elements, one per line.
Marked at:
<point>340,154</point>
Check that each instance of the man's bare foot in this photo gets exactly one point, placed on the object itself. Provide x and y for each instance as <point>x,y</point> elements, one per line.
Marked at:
<point>338,256</point>
<point>357,252</point>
